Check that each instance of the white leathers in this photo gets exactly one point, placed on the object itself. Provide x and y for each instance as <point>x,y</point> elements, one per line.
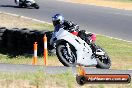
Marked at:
<point>32,1</point>
<point>17,1</point>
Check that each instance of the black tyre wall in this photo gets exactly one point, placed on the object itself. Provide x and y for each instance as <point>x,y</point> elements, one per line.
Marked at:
<point>3,36</point>
<point>21,41</point>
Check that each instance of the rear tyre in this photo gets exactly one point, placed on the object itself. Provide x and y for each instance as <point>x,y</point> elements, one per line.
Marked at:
<point>104,61</point>
<point>64,58</point>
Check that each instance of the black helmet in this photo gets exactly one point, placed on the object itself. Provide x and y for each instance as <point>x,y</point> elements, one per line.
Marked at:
<point>57,19</point>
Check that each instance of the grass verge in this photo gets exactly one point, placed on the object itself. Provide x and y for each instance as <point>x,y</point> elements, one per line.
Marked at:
<point>18,22</point>
<point>118,4</point>
<point>39,79</point>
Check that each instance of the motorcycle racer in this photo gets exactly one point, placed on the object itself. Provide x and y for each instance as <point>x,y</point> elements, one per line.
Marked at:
<point>59,22</point>
<point>26,3</point>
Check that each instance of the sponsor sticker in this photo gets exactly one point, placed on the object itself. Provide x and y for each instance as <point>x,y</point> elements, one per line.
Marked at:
<point>83,78</point>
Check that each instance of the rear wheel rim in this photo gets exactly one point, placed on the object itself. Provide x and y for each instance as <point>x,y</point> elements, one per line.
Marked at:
<point>104,59</point>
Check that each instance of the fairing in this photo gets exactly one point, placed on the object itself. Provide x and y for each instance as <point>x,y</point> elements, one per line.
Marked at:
<point>83,51</point>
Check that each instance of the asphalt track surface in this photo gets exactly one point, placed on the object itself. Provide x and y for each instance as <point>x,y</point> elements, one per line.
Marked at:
<point>111,22</point>
<point>57,69</point>
<point>107,21</point>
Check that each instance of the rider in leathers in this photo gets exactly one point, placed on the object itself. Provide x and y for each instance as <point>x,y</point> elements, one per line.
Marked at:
<point>59,22</point>
<point>24,1</point>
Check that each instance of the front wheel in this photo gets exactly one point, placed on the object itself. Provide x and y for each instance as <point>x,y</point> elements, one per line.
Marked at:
<point>103,61</point>
<point>64,57</point>
<point>36,6</point>
<point>20,5</point>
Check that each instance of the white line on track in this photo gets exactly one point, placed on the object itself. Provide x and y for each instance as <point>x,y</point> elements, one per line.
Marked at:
<point>25,17</point>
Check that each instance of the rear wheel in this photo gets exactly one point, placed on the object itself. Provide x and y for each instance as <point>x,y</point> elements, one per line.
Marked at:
<point>64,57</point>
<point>103,61</point>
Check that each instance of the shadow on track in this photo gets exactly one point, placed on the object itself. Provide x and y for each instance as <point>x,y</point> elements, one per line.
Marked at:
<point>12,6</point>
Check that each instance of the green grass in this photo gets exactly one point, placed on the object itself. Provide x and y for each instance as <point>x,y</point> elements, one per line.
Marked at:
<point>42,26</point>
<point>40,79</point>
<point>118,50</point>
<point>52,60</point>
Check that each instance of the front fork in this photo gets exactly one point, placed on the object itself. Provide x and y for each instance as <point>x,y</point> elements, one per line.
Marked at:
<point>96,50</point>
<point>93,47</point>
<point>68,49</point>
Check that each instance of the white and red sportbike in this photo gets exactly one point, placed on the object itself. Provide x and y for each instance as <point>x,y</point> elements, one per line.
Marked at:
<point>71,50</point>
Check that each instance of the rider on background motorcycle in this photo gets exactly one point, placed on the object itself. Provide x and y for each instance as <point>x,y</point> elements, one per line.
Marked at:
<point>26,3</point>
<point>16,1</point>
<point>22,0</point>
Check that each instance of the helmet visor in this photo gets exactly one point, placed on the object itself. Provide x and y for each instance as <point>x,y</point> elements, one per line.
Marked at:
<point>56,22</point>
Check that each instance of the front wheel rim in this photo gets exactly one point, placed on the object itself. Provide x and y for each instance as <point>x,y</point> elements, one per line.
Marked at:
<point>64,54</point>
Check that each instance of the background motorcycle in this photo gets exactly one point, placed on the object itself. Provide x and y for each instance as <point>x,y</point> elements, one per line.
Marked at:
<point>27,3</point>
<point>72,50</point>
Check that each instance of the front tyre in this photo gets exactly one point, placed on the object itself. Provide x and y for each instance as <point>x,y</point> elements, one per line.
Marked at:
<point>64,57</point>
<point>20,5</point>
<point>103,61</point>
<point>36,6</point>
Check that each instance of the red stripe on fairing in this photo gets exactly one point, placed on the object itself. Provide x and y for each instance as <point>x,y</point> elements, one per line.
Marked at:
<point>75,33</point>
